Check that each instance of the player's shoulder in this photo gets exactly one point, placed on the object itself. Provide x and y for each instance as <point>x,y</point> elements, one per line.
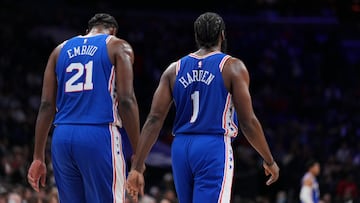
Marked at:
<point>119,45</point>
<point>233,60</point>
<point>56,51</point>
<point>234,64</point>
<point>64,42</point>
<point>172,66</point>
<point>171,70</point>
<point>116,41</point>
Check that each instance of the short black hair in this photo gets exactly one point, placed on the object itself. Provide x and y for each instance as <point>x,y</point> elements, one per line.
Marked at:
<point>310,163</point>
<point>208,26</point>
<point>103,19</point>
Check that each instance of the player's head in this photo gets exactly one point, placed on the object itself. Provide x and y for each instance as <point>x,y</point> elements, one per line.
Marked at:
<point>313,166</point>
<point>105,21</point>
<point>209,30</point>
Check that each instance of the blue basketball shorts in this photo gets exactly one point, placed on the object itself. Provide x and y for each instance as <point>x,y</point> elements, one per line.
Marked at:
<point>203,168</point>
<point>88,163</point>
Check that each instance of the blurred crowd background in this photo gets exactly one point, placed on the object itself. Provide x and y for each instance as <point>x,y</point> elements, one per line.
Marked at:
<point>304,62</point>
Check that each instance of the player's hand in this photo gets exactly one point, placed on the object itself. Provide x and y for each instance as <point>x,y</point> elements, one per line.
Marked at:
<point>273,171</point>
<point>36,174</point>
<point>135,184</point>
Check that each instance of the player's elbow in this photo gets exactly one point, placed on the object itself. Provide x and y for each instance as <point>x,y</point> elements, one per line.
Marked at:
<point>249,123</point>
<point>47,106</point>
<point>126,101</point>
<point>151,119</point>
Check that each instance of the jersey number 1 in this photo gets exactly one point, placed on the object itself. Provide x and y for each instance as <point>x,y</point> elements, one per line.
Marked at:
<point>195,100</point>
<point>71,85</point>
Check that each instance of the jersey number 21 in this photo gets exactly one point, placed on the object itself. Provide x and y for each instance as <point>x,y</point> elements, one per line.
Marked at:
<point>72,85</point>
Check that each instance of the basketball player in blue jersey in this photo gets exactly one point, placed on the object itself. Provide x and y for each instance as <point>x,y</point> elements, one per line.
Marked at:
<point>309,191</point>
<point>210,91</point>
<point>88,95</point>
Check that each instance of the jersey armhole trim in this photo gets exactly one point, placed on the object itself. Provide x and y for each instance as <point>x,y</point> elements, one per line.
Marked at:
<point>223,61</point>
<point>177,67</point>
<point>63,44</point>
<point>108,38</point>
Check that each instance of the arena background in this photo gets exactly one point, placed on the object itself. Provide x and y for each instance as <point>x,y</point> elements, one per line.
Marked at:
<point>303,58</point>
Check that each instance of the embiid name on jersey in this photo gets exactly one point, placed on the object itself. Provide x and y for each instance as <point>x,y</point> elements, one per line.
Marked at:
<point>82,50</point>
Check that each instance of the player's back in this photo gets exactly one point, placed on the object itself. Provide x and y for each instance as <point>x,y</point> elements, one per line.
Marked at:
<point>203,104</point>
<point>86,82</point>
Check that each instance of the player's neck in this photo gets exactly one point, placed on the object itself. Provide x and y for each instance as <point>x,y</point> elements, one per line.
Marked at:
<point>97,31</point>
<point>203,51</point>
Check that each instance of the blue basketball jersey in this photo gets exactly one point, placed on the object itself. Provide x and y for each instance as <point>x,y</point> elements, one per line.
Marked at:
<point>203,104</point>
<point>86,82</point>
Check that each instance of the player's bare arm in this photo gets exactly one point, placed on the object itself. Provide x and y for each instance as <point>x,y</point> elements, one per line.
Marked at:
<point>37,170</point>
<point>122,57</point>
<point>160,106</point>
<point>237,81</point>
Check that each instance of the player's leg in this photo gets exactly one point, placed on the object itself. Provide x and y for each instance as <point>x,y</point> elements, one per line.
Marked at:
<point>67,176</point>
<point>213,166</point>
<point>183,179</point>
<point>98,152</point>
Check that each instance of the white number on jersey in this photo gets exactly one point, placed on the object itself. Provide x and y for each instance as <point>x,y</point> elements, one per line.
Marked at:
<point>195,99</point>
<point>71,85</point>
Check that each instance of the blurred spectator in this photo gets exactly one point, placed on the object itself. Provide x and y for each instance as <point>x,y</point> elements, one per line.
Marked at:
<point>346,189</point>
<point>14,198</point>
<point>3,194</point>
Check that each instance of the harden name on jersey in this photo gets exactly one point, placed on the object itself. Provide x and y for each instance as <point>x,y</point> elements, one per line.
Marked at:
<point>197,75</point>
